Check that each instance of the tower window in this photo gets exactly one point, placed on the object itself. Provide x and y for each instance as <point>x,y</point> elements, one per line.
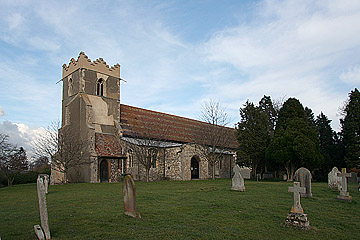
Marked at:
<point>70,87</point>
<point>100,87</point>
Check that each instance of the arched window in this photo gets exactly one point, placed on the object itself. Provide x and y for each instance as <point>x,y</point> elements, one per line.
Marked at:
<point>70,87</point>
<point>152,156</point>
<point>131,158</point>
<point>100,87</point>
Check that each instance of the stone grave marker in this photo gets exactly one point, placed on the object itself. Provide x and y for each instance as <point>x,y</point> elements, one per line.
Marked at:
<point>333,180</point>
<point>353,177</point>
<point>245,172</point>
<point>44,230</point>
<point>237,180</point>
<point>344,194</point>
<point>45,179</point>
<point>303,175</point>
<point>296,217</point>
<point>129,191</point>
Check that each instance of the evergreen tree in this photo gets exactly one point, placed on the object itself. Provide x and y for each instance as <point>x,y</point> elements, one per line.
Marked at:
<point>268,110</point>
<point>255,130</point>
<point>327,144</point>
<point>351,130</point>
<point>295,143</point>
<point>310,117</point>
<point>252,136</point>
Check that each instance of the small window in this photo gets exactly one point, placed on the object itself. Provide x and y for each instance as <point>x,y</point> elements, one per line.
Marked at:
<point>153,154</point>
<point>100,87</point>
<point>131,158</point>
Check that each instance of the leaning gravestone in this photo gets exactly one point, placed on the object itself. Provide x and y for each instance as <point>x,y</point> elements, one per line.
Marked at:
<point>303,176</point>
<point>333,180</point>
<point>237,180</point>
<point>296,217</point>
<point>44,230</point>
<point>129,191</point>
<point>45,179</point>
<point>344,194</point>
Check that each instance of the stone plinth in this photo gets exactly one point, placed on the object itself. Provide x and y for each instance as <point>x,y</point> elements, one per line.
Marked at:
<point>297,220</point>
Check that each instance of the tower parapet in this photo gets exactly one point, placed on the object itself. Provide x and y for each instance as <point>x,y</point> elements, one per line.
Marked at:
<point>99,65</point>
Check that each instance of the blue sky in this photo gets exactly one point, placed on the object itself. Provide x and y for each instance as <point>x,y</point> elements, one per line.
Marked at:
<point>174,55</point>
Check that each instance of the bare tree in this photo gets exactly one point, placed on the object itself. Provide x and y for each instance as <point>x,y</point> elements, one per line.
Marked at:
<point>13,160</point>
<point>64,148</point>
<point>214,137</point>
<point>146,141</point>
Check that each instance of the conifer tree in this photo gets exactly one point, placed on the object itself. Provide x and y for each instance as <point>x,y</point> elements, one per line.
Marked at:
<point>328,148</point>
<point>252,136</point>
<point>255,129</point>
<point>350,131</point>
<point>295,143</point>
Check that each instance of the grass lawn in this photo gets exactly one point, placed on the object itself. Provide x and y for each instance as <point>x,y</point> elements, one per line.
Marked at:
<point>178,210</point>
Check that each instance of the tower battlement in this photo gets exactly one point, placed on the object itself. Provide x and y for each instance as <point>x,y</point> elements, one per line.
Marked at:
<point>99,65</point>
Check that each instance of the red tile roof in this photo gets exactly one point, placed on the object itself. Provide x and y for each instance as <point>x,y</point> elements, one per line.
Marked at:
<point>161,126</point>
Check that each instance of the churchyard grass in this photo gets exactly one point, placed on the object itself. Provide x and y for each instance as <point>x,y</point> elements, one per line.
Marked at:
<point>179,210</point>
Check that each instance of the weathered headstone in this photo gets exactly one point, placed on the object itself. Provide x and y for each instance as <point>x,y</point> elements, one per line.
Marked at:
<point>303,176</point>
<point>43,211</point>
<point>333,180</point>
<point>45,179</point>
<point>129,191</point>
<point>344,194</point>
<point>285,177</point>
<point>237,180</point>
<point>353,177</point>
<point>245,172</point>
<point>296,217</point>
<point>268,175</point>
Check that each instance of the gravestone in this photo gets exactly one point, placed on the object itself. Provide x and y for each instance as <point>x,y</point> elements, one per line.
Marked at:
<point>333,180</point>
<point>285,177</point>
<point>245,172</point>
<point>45,179</point>
<point>45,230</point>
<point>353,177</point>
<point>344,194</point>
<point>237,180</point>
<point>296,217</point>
<point>268,175</point>
<point>303,176</point>
<point>129,191</point>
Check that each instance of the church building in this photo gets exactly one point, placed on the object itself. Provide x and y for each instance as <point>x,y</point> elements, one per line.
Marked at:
<point>122,139</point>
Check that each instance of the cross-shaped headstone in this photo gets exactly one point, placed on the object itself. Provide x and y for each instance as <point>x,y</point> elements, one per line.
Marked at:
<point>297,190</point>
<point>343,175</point>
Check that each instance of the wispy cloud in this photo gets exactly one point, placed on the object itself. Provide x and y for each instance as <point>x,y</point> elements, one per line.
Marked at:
<point>306,49</point>
<point>292,48</point>
<point>352,75</point>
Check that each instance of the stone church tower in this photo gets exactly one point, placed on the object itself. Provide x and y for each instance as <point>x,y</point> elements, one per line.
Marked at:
<point>90,110</point>
<point>102,138</point>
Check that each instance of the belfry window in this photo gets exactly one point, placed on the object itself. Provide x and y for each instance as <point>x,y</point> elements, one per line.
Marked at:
<point>100,87</point>
<point>70,87</point>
